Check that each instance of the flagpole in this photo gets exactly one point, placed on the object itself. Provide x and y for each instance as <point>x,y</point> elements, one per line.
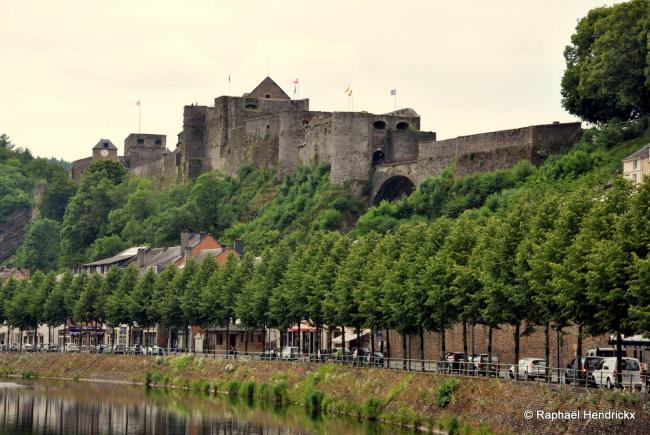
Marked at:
<point>139,115</point>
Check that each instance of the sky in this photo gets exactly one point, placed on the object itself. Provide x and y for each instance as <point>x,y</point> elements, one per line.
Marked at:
<point>73,70</point>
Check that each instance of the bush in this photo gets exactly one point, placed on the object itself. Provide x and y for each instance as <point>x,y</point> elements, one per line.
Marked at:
<point>280,392</point>
<point>371,409</point>
<point>181,362</point>
<point>29,375</point>
<point>248,390</point>
<point>314,402</point>
<point>233,388</point>
<point>445,392</point>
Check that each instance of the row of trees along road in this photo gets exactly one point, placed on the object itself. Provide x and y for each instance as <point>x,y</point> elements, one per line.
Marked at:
<point>553,260</point>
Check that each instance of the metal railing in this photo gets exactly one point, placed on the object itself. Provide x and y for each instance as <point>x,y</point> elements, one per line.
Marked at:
<point>539,374</point>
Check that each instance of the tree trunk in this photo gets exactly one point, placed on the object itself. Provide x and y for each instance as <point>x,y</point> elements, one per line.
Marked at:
<point>465,337</point>
<point>387,343</point>
<point>372,342</point>
<point>246,341</point>
<point>65,333</point>
<point>422,347</point>
<point>227,339</point>
<point>619,359</point>
<point>579,348</point>
<point>516,338</point>
<point>547,347</point>
<point>489,349</point>
<point>263,337</point>
<point>358,337</point>
<point>169,340</point>
<point>189,338</point>
<point>403,351</point>
<point>20,338</point>
<point>443,344</point>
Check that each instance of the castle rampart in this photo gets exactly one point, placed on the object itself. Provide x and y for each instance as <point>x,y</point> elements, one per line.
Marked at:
<point>267,129</point>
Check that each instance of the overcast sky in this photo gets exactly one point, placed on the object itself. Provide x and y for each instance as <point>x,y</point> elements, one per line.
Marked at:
<point>73,70</point>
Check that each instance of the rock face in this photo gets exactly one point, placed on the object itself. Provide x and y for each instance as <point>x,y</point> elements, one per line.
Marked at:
<point>12,232</point>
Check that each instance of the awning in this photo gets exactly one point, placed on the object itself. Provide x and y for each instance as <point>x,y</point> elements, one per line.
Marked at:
<point>634,340</point>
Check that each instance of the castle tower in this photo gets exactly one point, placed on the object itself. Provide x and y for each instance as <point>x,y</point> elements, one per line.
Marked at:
<point>105,150</point>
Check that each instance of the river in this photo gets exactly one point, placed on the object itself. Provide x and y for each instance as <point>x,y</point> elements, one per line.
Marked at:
<point>68,407</point>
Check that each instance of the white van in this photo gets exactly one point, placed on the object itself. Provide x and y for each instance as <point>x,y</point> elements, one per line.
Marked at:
<point>604,351</point>
<point>605,373</point>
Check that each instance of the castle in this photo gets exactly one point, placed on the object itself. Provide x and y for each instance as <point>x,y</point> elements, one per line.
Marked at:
<point>380,155</point>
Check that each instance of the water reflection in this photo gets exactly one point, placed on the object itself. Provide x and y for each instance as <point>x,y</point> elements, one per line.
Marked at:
<point>98,408</point>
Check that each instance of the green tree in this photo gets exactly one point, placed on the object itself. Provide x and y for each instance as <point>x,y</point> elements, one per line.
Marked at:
<point>607,74</point>
<point>40,249</point>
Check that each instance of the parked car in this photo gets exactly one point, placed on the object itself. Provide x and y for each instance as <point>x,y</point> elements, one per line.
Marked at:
<point>342,355</point>
<point>582,377</point>
<point>484,365</point>
<point>153,350</point>
<point>136,349</point>
<point>528,368</point>
<point>320,356</point>
<point>605,374</point>
<point>453,362</point>
<point>71,347</point>
<point>119,349</point>
<point>108,349</point>
<point>270,354</point>
<point>290,353</point>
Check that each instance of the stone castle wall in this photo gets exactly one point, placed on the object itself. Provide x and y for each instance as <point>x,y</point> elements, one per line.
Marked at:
<point>531,345</point>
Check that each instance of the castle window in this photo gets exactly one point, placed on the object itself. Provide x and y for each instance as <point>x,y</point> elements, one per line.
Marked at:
<point>105,144</point>
<point>267,96</point>
<point>140,141</point>
<point>402,125</point>
<point>379,125</point>
<point>305,122</point>
<point>378,157</point>
<point>250,106</point>
<point>158,142</point>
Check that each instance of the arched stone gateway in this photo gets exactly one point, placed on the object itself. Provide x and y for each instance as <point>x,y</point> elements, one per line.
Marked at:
<point>394,188</point>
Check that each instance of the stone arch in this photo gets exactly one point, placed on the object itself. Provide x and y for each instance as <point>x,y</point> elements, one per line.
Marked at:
<point>402,125</point>
<point>394,188</point>
<point>250,106</point>
<point>379,125</point>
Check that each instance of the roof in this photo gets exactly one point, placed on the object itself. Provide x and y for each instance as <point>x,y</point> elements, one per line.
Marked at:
<point>161,257</point>
<point>643,153</point>
<point>268,87</point>
<point>122,256</point>
<point>104,144</point>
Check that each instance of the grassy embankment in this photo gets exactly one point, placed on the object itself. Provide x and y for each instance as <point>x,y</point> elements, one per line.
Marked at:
<point>468,405</point>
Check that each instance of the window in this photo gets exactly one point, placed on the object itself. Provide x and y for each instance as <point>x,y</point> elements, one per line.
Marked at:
<point>105,144</point>
<point>267,96</point>
<point>402,125</point>
<point>379,125</point>
<point>305,122</point>
<point>250,106</point>
<point>158,142</point>
<point>140,141</point>
<point>634,164</point>
<point>219,339</point>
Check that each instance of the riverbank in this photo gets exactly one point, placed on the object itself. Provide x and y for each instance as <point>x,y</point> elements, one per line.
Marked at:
<point>401,398</point>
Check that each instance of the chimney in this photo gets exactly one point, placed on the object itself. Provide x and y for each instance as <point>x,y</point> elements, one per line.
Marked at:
<point>140,258</point>
<point>185,239</point>
<point>238,246</point>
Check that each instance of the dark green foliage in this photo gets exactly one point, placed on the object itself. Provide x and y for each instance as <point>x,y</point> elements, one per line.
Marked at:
<point>248,390</point>
<point>314,402</point>
<point>607,72</point>
<point>371,409</point>
<point>40,249</point>
<point>233,388</point>
<point>445,392</point>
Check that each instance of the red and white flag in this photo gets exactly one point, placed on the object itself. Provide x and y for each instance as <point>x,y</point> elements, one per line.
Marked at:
<point>295,82</point>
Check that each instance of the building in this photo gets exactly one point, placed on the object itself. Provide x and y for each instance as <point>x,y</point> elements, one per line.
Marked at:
<point>380,156</point>
<point>636,166</point>
<point>15,273</point>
